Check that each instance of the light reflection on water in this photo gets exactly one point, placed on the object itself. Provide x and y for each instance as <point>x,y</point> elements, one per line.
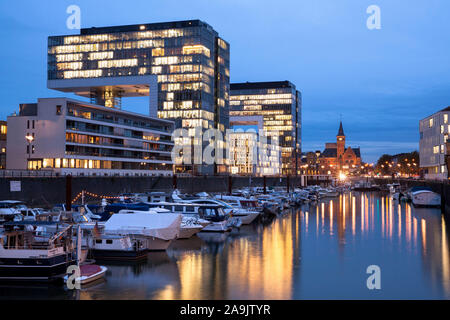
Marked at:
<point>316,252</point>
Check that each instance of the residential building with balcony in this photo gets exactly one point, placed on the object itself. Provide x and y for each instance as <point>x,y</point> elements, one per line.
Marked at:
<point>434,131</point>
<point>69,136</point>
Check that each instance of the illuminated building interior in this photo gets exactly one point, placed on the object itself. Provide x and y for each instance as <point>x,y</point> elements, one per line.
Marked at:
<point>279,103</point>
<point>249,155</point>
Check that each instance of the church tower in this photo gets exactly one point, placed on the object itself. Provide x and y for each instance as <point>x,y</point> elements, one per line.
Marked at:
<point>340,139</point>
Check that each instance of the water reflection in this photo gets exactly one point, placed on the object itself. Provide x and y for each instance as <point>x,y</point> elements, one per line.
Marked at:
<point>318,251</point>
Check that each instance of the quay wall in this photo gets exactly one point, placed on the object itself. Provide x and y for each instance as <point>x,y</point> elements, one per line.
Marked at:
<point>47,191</point>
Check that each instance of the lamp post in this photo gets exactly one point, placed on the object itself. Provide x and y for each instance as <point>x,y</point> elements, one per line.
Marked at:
<point>30,139</point>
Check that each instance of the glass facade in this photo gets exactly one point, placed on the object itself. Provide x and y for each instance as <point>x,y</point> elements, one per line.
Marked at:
<point>190,60</point>
<point>279,103</point>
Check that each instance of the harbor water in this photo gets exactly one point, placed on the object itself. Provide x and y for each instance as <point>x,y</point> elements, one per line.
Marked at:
<point>317,251</point>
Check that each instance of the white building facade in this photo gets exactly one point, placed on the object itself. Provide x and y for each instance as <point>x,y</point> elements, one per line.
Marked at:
<point>78,138</point>
<point>434,133</point>
<point>251,154</point>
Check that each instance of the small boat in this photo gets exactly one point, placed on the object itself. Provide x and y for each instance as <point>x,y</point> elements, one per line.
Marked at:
<point>117,247</point>
<point>89,273</point>
<point>189,227</point>
<point>425,198</point>
<point>156,231</point>
<point>29,252</point>
<point>10,210</point>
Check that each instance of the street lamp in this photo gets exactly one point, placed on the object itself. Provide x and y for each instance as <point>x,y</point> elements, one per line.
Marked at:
<point>30,139</point>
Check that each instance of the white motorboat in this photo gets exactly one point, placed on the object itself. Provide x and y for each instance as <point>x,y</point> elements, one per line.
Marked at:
<point>214,216</point>
<point>156,230</point>
<point>425,198</point>
<point>245,209</point>
<point>9,210</point>
<point>189,225</point>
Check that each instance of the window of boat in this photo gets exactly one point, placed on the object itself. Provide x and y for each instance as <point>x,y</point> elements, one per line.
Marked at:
<point>190,209</point>
<point>178,208</point>
<point>99,241</point>
<point>109,241</point>
<point>167,207</point>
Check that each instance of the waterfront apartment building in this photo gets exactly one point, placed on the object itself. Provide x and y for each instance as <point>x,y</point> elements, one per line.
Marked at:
<point>279,104</point>
<point>183,66</point>
<point>73,137</point>
<point>251,156</point>
<point>434,131</point>
<point>3,132</point>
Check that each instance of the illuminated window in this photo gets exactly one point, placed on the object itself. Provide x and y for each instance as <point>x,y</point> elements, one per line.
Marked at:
<point>431,122</point>
<point>196,49</point>
<point>445,118</point>
<point>158,52</point>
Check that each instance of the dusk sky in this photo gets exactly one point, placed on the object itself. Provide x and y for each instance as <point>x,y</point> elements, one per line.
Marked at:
<point>381,81</point>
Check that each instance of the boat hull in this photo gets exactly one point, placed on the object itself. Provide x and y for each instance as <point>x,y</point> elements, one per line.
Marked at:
<point>187,233</point>
<point>119,254</point>
<point>248,218</point>
<point>426,199</point>
<point>155,244</point>
<point>32,269</point>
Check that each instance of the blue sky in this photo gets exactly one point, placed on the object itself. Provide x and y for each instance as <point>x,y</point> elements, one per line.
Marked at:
<point>381,81</point>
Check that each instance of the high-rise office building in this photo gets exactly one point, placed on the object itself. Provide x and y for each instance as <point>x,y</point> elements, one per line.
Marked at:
<point>278,105</point>
<point>182,66</point>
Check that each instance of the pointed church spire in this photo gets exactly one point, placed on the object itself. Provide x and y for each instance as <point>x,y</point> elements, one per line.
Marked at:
<point>341,131</point>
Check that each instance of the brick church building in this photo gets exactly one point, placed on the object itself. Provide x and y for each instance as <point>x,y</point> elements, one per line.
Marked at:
<point>337,157</point>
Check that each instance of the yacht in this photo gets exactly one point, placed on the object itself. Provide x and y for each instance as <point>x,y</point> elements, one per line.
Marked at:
<point>156,231</point>
<point>188,228</point>
<point>29,254</point>
<point>211,216</point>
<point>424,197</point>
<point>245,209</point>
<point>9,210</point>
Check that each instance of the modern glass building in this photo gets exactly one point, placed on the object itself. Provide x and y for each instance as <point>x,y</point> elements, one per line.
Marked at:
<point>248,155</point>
<point>183,66</point>
<point>279,104</point>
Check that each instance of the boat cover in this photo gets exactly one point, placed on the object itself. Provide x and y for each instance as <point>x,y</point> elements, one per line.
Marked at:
<point>161,226</point>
